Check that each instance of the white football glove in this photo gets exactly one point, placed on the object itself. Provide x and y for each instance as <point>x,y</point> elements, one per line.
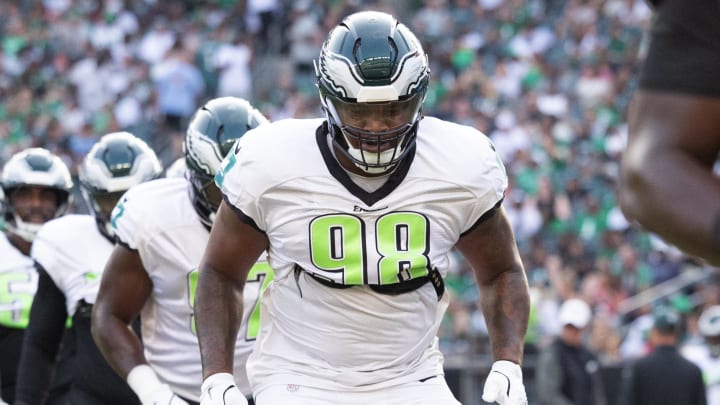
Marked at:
<point>146,385</point>
<point>504,384</point>
<point>3,402</point>
<point>220,389</point>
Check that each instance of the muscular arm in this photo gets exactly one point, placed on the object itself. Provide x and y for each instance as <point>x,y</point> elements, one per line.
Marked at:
<point>233,248</point>
<point>667,182</point>
<point>41,343</point>
<point>124,288</point>
<point>491,250</point>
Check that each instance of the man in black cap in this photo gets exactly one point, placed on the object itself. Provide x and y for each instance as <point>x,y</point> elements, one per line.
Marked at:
<point>663,376</point>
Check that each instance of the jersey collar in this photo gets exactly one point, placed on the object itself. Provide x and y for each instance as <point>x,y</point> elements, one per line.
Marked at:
<point>369,198</point>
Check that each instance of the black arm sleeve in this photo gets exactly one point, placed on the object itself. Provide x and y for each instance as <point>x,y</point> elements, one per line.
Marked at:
<point>43,337</point>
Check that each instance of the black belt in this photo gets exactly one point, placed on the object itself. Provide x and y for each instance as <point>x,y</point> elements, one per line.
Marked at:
<point>433,277</point>
<point>83,309</point>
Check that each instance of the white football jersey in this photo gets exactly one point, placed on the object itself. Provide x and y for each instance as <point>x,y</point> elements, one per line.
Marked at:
<point>158,220</point>
<point>710,367</point>
<point>284,178</point>
<point>73,252</point>
<point>18,284</point>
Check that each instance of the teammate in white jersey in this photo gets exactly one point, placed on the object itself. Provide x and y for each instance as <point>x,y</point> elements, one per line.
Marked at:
<point>36,185</point>
<point>162,228</point>
<point>358,214</point>
<point>70,253</point>
<point>707,355</point>
<point>176,168</point>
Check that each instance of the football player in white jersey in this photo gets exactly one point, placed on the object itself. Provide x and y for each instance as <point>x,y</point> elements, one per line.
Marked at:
<point>162,228</point>
<point>70,253</point>
<point>2,222</point>
<point>177,168</point>
<point>707,354</point>
<point>36,185</point>
<point>359,213</point>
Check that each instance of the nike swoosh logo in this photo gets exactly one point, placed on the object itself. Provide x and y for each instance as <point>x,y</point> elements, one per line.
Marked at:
<point>508,380</point>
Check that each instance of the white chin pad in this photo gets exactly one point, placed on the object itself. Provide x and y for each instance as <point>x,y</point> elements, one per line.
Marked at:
<point>374,158</point>
<point>25,230</point>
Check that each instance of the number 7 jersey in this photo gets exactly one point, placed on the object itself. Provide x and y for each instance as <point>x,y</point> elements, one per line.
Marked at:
<point>158,220</point>
<point>325,230</point>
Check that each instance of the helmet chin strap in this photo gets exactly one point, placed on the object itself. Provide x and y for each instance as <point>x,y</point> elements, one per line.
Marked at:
<point>25,230</point>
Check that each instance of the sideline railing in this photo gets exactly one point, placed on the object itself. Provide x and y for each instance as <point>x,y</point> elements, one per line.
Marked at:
<point>688,276</point>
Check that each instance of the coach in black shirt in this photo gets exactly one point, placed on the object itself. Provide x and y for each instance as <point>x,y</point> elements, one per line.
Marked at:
<point>569,373</point>
<point>663,376</point>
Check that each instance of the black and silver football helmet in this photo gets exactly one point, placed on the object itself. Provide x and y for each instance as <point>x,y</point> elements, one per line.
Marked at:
<point>709,327</point>
<point>709,322</point>
<point>33,167</point>
<point>211,134</point>
<point>372,75</point>
<point>118,161</point>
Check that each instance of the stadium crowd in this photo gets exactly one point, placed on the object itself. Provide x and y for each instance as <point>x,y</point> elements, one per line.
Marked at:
<point>548,80</point>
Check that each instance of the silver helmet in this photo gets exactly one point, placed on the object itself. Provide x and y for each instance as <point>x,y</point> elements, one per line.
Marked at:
<point>372,75</point>
<point>709,322</point>
<point>33,167</point>
<point>211,134</point>
<point>118,161</point>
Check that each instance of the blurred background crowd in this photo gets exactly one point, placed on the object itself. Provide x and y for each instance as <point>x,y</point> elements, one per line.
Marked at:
<point>547,80</point>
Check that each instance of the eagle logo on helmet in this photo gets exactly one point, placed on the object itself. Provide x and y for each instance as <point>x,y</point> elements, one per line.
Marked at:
<point>212,133</point>
<point>372,65</point>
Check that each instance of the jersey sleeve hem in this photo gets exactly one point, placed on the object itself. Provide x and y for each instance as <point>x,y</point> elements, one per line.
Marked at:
<point>242,216</point>
<point>124,244</point>
<point>484,217</point>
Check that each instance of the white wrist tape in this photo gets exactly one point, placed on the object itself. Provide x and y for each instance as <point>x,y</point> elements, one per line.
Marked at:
<point>143,380</point>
